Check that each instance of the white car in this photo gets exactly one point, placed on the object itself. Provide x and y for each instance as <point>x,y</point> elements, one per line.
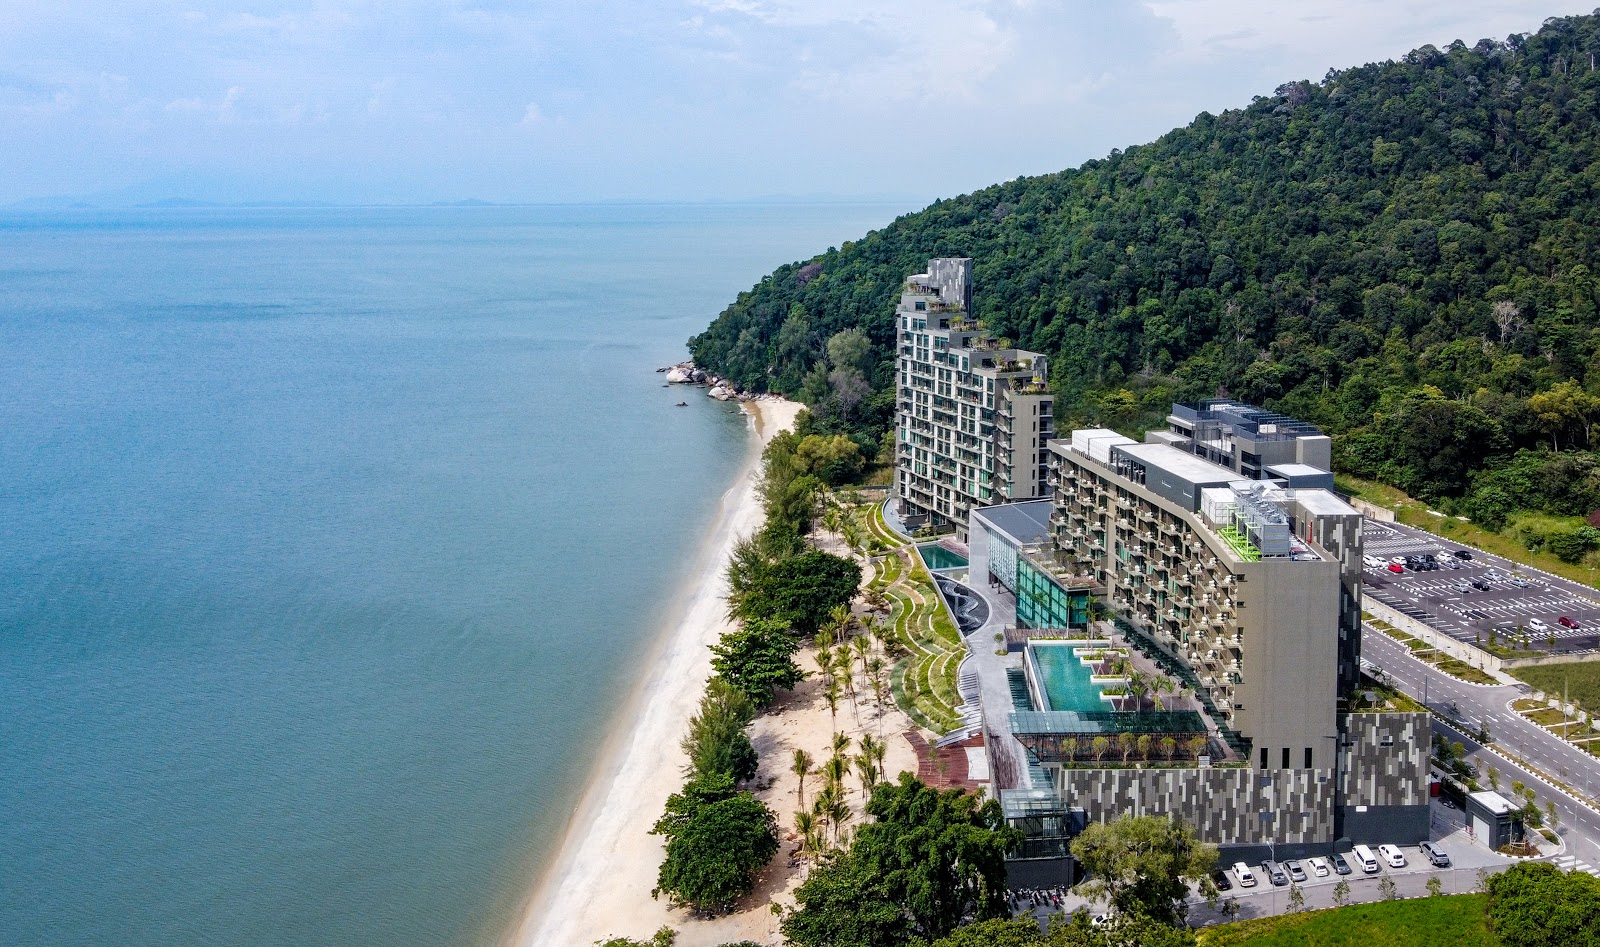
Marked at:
<point>1398,560</point>
<point>1535,624</point>
<point>1373,562</point>
<point>1319,867</point>
<point>1391,854</point>
<point>1247,878</point>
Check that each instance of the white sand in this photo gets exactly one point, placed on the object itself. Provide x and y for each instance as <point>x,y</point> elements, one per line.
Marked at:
<point>599,884</point>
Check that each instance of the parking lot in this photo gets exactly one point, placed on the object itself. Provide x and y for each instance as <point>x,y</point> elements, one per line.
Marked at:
<point>1445,599</point>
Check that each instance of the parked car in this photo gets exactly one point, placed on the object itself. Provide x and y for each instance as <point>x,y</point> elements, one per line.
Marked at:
<point>1462,587</point>
<point>1392,856</point>
<point>1220,879</point>
<point>1535,624</point>
<point>1274,874</point>
<point>1247,878</point>
<point>1319,867</point>
<point>1567,621</point>
<point>1340,866</point>
<point>1462,554</point>
<point>1295,871</point>
<point>1435,855</point>
<point>1480,585</point>
<point>1372,562</point>
<point>1363,856</point>
<point>1519,582</point>
<point>1396,568</point>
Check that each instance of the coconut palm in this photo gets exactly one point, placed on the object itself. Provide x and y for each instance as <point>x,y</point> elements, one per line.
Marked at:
<point>830,693</point>
<point>801,768</point>
<point>838,815</point>
<point>806,824</point>
<point>841,744</point>
<point>834,772</point>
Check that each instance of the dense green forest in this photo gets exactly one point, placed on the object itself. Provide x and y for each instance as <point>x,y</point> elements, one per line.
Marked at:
<point>1402,252</point>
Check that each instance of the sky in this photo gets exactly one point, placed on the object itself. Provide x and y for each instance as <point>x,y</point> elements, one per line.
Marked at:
<point>402,101</point>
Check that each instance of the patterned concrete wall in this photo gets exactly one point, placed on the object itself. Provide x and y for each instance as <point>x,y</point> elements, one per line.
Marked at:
<point>1225,806</point>
<point>1386,761</point>
<point>1385,775</point>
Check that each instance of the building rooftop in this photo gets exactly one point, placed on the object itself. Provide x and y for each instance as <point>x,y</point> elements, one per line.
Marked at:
<point>1025,523</point>
<point>1322,502</point>
<point>1493,801</point>
<point>1179,463</point>
<point>1296,470</point>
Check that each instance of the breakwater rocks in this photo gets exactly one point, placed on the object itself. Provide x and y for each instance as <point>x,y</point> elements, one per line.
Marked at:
<point>685,373</point>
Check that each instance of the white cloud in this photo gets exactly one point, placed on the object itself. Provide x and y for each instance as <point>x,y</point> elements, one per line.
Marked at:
<point>531,115</point>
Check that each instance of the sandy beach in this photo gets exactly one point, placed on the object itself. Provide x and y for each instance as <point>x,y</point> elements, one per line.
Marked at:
<point>599,883</point>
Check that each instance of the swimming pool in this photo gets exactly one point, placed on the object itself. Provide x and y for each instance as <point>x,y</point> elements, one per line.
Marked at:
<point>939,558</point>
<point>1065,680</point>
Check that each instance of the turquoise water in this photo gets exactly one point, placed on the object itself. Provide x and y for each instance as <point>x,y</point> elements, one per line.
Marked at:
<point>938,558</point>
<point>1066,680</point>
<point>331,540</point>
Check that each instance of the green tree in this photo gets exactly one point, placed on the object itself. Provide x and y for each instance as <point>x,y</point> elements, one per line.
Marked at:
<point>1297,898</point>
<point>716,741</point>
<point>799,592</point>
<point>715,851</point>
<point>758,659</point>
<point>665,937</point>
<point>937,857</point>
<point>1386,888</point>
<point>1435,887</point>
<point>1143,865</point>
<point>1535,904</point>
<point>1341,893</point>
<point>844,903</point>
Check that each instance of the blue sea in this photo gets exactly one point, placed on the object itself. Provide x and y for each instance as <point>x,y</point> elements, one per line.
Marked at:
<point>330,541</point>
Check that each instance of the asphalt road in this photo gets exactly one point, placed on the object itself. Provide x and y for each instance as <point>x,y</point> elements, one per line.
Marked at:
<point>1435,598</point>
<point>1484,705</point>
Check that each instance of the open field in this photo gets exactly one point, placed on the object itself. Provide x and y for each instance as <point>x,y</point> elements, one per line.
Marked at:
<point>1454,921</point>
<point>1581,680</point>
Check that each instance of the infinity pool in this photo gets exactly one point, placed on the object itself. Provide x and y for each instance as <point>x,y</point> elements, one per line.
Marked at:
<point>1065,679</point>
<point>939,558</point>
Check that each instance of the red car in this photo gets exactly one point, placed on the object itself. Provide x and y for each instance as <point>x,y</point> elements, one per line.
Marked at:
<point>1567,622</point>
<point>1396,568</point>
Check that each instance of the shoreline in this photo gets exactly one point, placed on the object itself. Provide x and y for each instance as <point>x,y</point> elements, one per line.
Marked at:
<point>598,884</point>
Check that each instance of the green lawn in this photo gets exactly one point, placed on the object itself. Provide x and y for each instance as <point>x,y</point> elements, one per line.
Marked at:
<point>1581,680</point>
<point>1454,921</point>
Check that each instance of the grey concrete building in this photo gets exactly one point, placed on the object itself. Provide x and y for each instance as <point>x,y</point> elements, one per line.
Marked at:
<point>1248,440</point>
<point>971,417</point>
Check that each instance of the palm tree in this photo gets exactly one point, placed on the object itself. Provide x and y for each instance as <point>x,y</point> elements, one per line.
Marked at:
<point>875,675</point>
<point>806,824</point>
<point>1138,687</point>
<point>841,744</point>
<point>802,769</point>
<point>1162,686</point>
<point>838,815</point>
<point>824,659</point>
<point>839,621</point>
<point>833,771</point>
<point>830,693</point>
<point>867,771</point>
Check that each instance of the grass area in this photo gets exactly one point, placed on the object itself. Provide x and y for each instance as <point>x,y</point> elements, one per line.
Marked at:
<point>1453,921</point>
<point>1580,681</point>
<point>1526,703</point>
<point>1413,512</point>
<point>924,681</point>
<point>1466,672</point>
<point>1451,666</point>
<point>1546,716</point>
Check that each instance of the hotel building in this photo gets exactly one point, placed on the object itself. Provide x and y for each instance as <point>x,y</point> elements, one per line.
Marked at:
<point>971,417</point>
<point>1244,583</point>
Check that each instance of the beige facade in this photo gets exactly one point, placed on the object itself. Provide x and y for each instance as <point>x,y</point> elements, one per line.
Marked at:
<point>971,417</point>
<point>1254,588</point>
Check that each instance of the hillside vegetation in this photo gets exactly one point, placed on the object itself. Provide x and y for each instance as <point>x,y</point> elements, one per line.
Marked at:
<point>1402,252</point>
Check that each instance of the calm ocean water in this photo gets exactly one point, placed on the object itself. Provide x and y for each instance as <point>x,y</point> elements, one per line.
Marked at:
<point>329,541</point>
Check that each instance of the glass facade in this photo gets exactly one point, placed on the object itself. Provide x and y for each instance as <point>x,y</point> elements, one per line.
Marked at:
<point>1041,603</point>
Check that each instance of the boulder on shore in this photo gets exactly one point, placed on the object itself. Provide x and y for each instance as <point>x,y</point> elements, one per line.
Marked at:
<point>678,375</point>
<point>721,393</point>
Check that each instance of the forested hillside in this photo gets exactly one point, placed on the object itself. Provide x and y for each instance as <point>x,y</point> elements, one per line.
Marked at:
<point>1403,253</point>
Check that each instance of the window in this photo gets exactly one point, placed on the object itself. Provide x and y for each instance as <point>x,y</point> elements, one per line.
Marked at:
<point>920,306</point>
<point>1285,757</point>
<point>1308,757</point>
<point>1263,757</point>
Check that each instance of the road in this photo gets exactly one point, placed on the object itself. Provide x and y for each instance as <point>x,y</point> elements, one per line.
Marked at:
<point>1484,706</point>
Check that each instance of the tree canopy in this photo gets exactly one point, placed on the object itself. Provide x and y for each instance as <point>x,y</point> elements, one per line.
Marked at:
<point>1538,905</point>
<point>758,659</point>
<point>798,591</point>
<point>931,859</point>
<point>717,840</point>
<point>1406,253</point>
<point>1142,865</point>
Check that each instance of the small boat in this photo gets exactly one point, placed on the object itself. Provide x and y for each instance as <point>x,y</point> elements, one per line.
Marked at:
<point>681,404</point>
